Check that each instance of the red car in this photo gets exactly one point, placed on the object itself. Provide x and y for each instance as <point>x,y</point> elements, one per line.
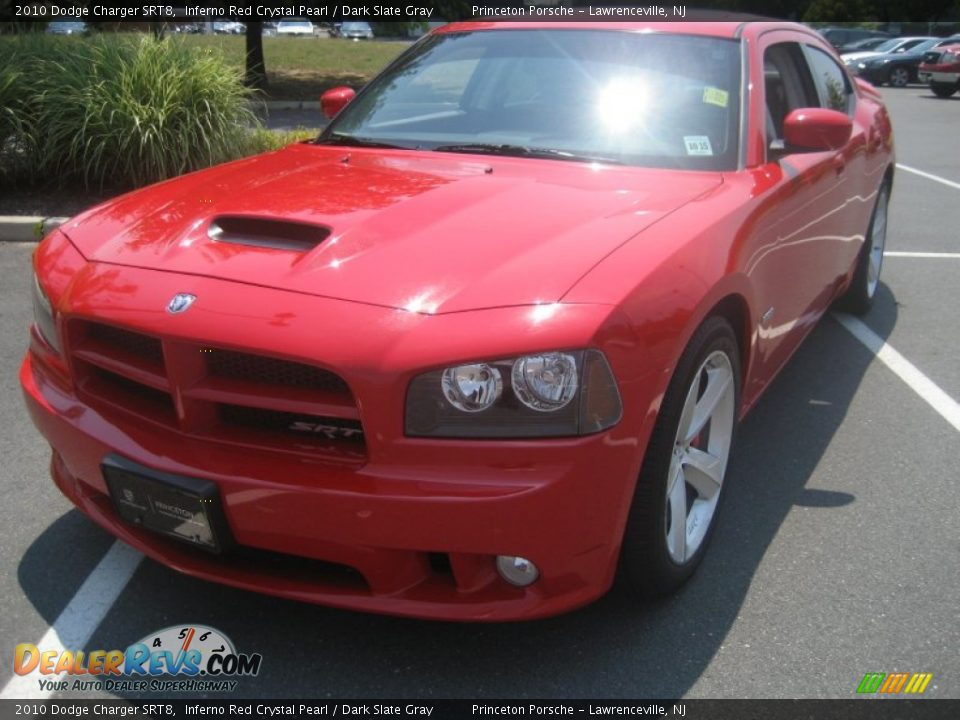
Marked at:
<point>941,70</point>
<point>486,341</point>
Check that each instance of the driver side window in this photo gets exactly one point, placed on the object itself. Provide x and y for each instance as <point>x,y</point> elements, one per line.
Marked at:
<point>787,87</point>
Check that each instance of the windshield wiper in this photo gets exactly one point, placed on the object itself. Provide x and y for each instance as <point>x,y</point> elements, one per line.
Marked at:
<point>354,141</point>
<point>524,151</point>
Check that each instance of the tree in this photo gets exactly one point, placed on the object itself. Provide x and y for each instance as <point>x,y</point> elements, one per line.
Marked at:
<point>256,72</point>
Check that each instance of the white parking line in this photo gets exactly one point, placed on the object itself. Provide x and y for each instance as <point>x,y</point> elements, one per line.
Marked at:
<point>82,615</point>
<point>897,253</point>
<point>946,406</point>
<point>935,178</point>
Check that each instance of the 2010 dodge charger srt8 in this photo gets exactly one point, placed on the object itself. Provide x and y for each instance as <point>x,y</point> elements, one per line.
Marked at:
<point>485,342</point>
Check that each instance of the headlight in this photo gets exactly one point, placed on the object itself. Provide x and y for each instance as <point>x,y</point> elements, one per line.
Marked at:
<point>43,316</point>
<point>549,394</point>
<point>545,382</point>
<point>472,388</point>
<point>862,65</point>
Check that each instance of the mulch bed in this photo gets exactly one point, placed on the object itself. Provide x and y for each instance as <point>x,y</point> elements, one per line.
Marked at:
<point>47,203</point>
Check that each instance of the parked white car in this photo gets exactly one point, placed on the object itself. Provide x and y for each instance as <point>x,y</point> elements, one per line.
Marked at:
<point>229,27</point>
<point>894,45</point>
<point>294,27</point>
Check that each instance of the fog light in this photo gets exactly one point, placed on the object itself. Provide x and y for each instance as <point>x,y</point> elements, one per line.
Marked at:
<point>517,570</point>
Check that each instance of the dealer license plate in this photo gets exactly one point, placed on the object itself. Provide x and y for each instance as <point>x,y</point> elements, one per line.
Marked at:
<point>184,508</point>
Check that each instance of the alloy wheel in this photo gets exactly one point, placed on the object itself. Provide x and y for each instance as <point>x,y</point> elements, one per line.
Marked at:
<point>899,77</point>
<point>700,453</point>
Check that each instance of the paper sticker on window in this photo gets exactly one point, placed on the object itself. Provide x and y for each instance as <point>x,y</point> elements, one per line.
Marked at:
<point>697,145</point>
<point>715,96</point>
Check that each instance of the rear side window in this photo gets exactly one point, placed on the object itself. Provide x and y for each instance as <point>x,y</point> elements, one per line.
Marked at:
<point>831,82</point>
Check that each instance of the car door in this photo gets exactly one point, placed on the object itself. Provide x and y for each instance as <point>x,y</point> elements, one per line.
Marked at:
<point>802,225</point>
<point>860,163</point>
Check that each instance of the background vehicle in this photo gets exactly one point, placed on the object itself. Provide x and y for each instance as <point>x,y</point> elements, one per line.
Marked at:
<point>301,28</point>
<point>229,27</point>
<point>840,36</point>
<point>863,45</point>
<point>67,27</point>
<point>940,68</point>
<point>891,46</point>
<point>898,69</point>
<point>355,31</point>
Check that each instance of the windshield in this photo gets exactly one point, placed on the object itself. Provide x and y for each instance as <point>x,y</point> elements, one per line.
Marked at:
<point>635,98</point>
<point>347,26</point>
<point>924,46</point>
<point>888,45</point>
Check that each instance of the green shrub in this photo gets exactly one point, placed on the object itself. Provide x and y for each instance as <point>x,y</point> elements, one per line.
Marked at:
<point>115,112</point>
<point>11,89</point>
<point>262,140</point>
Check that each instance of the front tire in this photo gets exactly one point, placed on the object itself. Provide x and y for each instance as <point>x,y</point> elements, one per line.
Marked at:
<point>942,90</point>
<point>858,298</point>
<point>675,505</point>
<point>899,77</point>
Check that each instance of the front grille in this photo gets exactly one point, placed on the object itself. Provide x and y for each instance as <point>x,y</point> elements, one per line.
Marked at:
<point>272,371</point>
<point>142,346</point>
<point>278,421</point>
<point>217,393</point>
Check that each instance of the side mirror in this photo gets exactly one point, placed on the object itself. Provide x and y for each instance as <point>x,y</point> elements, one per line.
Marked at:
<point>813,129</point>
<point>334,100</point>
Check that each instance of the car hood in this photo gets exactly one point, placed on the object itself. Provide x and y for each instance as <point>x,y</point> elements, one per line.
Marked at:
<point>429,232</point>
<point>860,56</point>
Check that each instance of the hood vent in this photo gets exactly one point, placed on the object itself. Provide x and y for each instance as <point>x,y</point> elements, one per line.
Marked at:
<point>267,233</point>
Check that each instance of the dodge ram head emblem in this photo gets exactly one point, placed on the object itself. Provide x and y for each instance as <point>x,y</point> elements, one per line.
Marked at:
<point>180,302</point>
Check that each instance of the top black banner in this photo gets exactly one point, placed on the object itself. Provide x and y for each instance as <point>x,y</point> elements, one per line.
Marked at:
<point>436,11</point>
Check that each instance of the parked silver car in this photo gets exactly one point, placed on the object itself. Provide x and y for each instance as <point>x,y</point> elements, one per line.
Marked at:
<point>356,31</point>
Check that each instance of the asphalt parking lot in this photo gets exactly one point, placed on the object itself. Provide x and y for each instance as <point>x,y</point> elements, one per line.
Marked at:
<point>837,553</point>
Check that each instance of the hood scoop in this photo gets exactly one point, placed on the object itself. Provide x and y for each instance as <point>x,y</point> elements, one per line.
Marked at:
<point>267,233</point>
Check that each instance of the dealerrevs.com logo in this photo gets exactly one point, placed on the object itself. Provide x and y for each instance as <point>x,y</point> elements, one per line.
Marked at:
<point>180,658</point>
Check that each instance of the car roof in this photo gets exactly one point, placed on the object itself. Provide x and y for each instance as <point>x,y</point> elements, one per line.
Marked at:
<point>728,29</point>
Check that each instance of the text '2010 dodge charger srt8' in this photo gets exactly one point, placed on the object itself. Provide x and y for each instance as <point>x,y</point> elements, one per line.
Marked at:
<point>486,341</point>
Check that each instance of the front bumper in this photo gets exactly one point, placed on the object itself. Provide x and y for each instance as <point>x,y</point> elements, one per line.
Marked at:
<point>875,75</point>
<point>412,531</point>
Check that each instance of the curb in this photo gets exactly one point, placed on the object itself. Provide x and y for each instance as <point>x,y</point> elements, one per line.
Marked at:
<point>27,228</point>
<point>292,104</point>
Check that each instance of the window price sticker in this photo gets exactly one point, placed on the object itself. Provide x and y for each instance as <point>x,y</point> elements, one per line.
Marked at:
<point>716,96</point>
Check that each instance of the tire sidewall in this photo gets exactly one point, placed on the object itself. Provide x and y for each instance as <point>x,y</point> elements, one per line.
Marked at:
<point>857,299</point>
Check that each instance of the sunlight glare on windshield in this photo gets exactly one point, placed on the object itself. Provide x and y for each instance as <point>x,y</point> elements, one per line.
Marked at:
<point>623,103</point>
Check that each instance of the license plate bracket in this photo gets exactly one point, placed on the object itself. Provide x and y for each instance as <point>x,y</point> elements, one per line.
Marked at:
<point>184,508</point>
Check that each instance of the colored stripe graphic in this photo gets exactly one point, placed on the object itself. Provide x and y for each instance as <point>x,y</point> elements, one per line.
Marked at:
<point>912,683</point>
<point>894,682</point>
<point>918,683</point>
<point>871,682</point>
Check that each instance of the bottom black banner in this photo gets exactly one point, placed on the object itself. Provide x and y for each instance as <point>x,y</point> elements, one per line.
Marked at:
<point>861,709</point>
